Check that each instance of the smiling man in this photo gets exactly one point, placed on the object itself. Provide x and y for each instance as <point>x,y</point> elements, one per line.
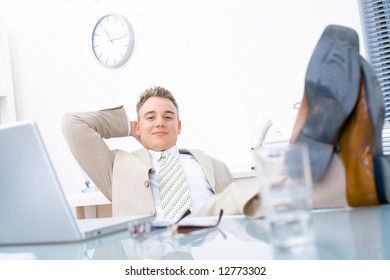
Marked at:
<point>140,182</point>
<point>158,123</point>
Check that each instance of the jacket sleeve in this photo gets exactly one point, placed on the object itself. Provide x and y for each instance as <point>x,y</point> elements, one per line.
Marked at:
<point>234,200</point>
<point>85,133</point>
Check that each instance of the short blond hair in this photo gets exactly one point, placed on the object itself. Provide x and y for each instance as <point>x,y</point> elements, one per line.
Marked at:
<point>156,92</point>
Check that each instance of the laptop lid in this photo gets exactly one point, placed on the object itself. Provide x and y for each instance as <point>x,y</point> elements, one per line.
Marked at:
<point>33,207</point>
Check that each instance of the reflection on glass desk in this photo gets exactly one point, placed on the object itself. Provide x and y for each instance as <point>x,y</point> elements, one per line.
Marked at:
<point>359,233</point>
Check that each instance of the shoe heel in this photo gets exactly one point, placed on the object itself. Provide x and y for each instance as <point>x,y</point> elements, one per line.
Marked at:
<point>319,159</point>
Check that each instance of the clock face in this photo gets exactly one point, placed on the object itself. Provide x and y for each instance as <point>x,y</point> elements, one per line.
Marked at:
<point>113,40</point>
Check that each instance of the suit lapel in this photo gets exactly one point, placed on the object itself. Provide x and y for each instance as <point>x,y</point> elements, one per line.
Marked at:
<point>206,164</point>
<point>144,156</point>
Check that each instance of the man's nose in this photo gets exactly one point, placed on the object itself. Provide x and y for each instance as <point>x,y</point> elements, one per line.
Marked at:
<point>160,122</point>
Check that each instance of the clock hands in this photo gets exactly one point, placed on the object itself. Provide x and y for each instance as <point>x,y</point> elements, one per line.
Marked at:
<point>122,37</point>
<point>114,39</point>
<point>108,35</point>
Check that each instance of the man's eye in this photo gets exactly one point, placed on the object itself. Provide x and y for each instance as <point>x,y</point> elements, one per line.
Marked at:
<point>150,118</point>
<point>168,117</point>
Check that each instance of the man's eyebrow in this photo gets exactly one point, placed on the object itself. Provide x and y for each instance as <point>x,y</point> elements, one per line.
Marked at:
<point>165,112</point>
<point>149,112</point>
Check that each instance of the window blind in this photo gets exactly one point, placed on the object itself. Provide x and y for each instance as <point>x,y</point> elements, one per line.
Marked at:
<point>375,19</point>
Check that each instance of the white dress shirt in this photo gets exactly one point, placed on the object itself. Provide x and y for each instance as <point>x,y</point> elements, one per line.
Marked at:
<point>199,187</point>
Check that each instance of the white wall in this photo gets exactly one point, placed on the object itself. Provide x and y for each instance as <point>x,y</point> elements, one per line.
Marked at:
<point>230,64</point>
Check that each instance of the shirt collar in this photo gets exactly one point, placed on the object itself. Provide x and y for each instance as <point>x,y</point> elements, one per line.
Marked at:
<point>156,155</point>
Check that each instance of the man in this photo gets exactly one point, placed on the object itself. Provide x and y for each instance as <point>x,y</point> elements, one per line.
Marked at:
<point>131,180</point>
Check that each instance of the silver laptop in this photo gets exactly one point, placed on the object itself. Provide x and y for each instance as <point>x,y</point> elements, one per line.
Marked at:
<point>33,207</point>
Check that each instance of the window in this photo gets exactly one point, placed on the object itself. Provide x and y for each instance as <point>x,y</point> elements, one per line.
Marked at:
<point>375,17</point>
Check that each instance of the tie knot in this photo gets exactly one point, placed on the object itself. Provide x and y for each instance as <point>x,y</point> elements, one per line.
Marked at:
<point>165,154</point>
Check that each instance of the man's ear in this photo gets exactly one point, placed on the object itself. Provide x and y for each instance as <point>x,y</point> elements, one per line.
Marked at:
<point>135,125</point>
<point>179,127</point>
<point>137,129</point>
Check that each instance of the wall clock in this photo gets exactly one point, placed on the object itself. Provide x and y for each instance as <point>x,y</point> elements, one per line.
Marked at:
<point>112,40</point>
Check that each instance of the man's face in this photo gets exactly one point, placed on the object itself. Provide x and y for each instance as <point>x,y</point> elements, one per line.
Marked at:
<point>158,124</point>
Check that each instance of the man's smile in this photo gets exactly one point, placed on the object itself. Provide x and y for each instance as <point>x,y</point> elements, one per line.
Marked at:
<point>159,133</point>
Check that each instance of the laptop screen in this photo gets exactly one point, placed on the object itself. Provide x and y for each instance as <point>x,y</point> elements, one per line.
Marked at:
<point>33,207</point>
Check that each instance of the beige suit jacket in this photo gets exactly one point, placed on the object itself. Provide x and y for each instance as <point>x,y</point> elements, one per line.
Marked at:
<point>123,177</point>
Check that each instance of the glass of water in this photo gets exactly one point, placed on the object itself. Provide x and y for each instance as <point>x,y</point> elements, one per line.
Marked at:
<point>285,183</point>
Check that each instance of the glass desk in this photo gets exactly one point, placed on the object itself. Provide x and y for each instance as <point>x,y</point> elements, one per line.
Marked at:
<point>359,233</point>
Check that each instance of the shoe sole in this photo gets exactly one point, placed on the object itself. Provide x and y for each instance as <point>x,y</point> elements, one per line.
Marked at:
<point>331,85</point>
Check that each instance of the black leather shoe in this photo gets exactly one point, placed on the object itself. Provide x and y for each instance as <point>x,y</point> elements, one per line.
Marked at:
<point>331,90</point>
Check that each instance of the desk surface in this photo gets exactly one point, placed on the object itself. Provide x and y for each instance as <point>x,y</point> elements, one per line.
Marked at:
<point>360,233</point>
